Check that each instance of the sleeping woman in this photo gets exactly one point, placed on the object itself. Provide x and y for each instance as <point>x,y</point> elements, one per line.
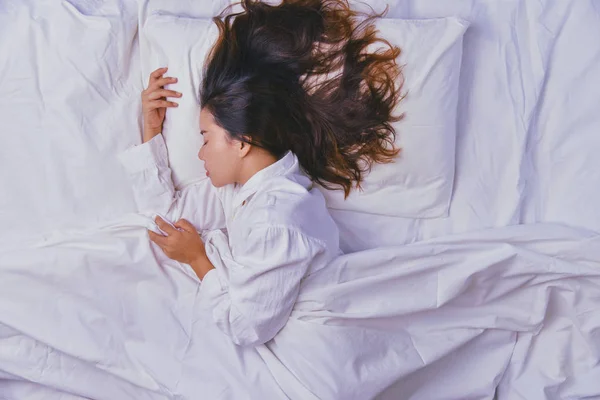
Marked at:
<point>290,97</point>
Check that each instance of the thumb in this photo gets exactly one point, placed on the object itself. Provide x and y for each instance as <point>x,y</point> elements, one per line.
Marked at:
<point>185,225</point>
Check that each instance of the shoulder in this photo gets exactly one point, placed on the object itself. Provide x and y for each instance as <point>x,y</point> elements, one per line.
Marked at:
<point>286,202</point>
<point>297,207</point>
<point>279,245</point>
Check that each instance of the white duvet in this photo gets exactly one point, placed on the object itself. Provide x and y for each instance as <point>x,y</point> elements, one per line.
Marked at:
<point>474,309</point>
<point>101,314</point>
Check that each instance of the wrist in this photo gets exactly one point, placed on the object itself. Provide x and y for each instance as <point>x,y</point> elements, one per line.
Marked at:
<point>201,266</point>
<point>150,133</point>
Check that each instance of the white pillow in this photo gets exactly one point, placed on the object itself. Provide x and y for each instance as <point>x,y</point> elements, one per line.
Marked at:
<point>180,43</point>
<point>419,183</point>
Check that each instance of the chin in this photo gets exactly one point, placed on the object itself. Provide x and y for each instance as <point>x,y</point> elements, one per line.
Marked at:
<point>216,184</point>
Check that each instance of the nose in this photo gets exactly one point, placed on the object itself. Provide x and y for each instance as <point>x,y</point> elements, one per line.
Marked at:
<point>201,153</point>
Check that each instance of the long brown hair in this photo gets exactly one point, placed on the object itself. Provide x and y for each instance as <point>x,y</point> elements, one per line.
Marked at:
<point>299,76</point>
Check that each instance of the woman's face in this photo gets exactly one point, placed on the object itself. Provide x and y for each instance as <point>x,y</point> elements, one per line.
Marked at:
<point>220,153</point>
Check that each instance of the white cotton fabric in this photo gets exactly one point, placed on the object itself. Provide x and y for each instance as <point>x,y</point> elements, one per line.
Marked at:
<point>418,184</point>
<point>90,309</point>
<point>526,120</point>
<point>181,44</point>
<point>105,315</point>
<point>64,108</point>
<point>271,242</point>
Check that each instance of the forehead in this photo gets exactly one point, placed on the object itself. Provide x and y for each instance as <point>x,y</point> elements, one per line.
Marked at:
<point>208,126</point>
<point>206,118</point>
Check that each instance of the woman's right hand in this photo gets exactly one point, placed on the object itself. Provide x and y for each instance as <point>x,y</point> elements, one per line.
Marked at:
<point>155,103</point>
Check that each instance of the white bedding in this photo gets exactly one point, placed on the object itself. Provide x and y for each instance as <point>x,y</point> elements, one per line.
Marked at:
<point>89,312</point>
<point>529,125</point>
<point>105,316</point>
<point>69,100</point>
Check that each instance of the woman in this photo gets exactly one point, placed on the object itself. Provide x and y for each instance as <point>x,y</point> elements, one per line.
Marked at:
<point>276,117</point>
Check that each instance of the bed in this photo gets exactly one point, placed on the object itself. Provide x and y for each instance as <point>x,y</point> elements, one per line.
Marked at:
<point>493,295</point>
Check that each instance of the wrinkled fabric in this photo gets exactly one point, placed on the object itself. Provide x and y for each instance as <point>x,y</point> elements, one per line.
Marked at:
<point>511,312</point>
<point>506,313</point>
<point>278,230</point>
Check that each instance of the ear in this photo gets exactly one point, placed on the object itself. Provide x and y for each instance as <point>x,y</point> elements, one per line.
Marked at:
<point>244,149</point>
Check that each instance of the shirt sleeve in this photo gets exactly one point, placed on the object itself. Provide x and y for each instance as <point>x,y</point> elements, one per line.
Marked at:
<point>147,168</point>
<point>264,281</point>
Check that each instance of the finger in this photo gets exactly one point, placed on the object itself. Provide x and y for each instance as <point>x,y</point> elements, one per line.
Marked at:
<point>158,239</point>
<point>159,83</point>
<point>186,226</point>
<point>164,226</point>
<point>154,104</point>
<point>157,73</point>
<point>162,93</point>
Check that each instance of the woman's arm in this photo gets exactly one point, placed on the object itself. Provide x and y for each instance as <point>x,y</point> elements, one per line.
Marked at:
<point>147,167</point>
<point>264,279</point>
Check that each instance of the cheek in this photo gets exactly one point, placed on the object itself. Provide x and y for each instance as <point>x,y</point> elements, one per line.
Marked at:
<point>226,163</point>
<point>216,155</point>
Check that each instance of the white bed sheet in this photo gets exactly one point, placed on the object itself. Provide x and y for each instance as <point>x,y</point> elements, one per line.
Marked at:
<point>527,134</point>
<point>528,121</point>
<point>105,305</point>
<point>69,101</point>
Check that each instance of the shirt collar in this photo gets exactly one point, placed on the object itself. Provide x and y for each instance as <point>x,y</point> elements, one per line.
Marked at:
<point>288,163</point>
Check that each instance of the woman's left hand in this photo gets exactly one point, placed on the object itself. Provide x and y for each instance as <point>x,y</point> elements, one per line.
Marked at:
<point>183,244</point>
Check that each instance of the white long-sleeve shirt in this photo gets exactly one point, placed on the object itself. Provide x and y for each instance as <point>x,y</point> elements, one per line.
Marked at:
<point>278,231</point>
